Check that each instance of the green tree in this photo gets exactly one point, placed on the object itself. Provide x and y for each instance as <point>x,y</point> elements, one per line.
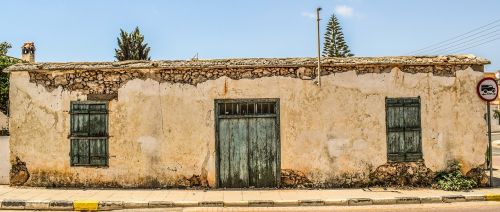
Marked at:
<point>131,46</point>
<point>335,45</point>
<point>4,47</point>
<point>5,61</point>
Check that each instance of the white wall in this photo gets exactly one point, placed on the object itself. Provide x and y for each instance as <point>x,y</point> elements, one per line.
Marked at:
<point>4,160</point>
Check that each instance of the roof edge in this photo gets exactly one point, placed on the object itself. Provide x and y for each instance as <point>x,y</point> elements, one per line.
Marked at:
<point>254,63</point>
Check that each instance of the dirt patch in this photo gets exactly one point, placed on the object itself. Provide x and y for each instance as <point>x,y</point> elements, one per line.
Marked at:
<point>19,173</point>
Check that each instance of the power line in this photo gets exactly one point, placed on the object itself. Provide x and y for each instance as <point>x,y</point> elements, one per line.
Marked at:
<point>476,45</point>
<point>461,35</point>
<point>458,36</point>
<point>459,46</point>
<point>474,40</point>
<point>446,46</point>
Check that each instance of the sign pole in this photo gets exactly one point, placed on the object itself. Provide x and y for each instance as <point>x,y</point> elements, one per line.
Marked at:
<point>487,90</point>
<point>490,147</point>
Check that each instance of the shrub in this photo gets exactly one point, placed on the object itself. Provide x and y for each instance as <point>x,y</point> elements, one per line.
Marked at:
<point>453,180</point>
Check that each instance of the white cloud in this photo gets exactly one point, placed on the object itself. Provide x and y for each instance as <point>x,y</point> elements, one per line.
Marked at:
<point>308,15</point>
<point>344,11</point>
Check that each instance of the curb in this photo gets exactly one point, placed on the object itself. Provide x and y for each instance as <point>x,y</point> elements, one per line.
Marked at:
<point>78,205</point>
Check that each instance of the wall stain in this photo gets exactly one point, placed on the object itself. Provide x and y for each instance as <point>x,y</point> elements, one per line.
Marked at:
<point>224,91</point>
<point>60,179</point>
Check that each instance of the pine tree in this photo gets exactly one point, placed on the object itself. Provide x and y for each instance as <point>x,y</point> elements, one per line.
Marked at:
<point>335,45</point>
<point>131,46</point>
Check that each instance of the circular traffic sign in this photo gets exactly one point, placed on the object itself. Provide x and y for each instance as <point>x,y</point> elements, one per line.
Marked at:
<point>487,89</point>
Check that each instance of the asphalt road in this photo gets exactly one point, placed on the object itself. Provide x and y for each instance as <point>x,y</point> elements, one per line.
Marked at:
<point>459,207</point>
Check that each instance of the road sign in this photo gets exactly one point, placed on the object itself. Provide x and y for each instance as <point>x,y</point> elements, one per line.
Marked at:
<point>487,89</point>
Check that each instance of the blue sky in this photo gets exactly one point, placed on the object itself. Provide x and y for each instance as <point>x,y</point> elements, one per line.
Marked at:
<point>178,29</point>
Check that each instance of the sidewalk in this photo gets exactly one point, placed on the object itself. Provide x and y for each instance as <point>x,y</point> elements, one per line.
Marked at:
<point>78,199</point>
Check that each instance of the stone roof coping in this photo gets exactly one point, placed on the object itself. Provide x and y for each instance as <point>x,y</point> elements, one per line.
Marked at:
<point>255,63</point>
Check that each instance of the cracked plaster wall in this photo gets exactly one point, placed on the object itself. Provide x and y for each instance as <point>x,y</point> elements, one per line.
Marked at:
<point>162,133</point>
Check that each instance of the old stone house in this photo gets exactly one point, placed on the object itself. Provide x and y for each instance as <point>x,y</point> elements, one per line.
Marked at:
<point>245,122</point>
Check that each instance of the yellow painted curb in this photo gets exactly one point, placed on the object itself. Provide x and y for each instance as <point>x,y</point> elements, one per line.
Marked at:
<point>85,205</point>
<point>492,197</point>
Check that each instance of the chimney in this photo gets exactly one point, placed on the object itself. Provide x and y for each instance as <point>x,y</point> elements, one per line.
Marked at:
<point>28,52</point>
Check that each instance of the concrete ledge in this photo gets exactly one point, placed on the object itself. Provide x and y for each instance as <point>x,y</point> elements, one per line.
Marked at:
<point>37,205</point>
<point>435,199</point>
<point>360,201</point>
<point>13,204</point>
<point>260,203</point>
<point>492,197</point>
<point>473,198</point>
<point>185,204</point>
<point>407,200</point>
<point>61,205</point>
<point>160,204</point>
<point>286,203</point>
<point>85,205</point>
<point>311,202</point>
<point>110,205</point>
<point>236,203</point>
<point>211,204</point>
<point>338,202</point>
<point>453,198</point>
<point>134,205</point>
<point>384,201</point>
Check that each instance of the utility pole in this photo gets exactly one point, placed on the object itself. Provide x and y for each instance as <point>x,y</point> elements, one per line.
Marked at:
<point>319,47</point>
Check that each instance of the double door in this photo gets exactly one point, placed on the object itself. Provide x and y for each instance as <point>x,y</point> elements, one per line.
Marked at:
<point>248,143</point>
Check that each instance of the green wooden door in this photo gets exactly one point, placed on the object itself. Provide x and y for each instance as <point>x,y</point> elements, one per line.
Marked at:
<point>234,152</point>
<point>262,139</point>
<point>248,143</point>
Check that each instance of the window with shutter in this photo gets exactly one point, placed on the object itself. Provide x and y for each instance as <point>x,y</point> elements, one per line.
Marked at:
<point>89,133</point>
<point>404,142</point>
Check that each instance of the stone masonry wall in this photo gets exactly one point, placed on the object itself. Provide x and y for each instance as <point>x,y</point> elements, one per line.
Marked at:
<point>109,81</point>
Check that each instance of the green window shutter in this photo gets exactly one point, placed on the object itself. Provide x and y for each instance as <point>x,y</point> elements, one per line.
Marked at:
<point>98,120</point>
<point>75,157</point>
<point>395,130</point>
<point>98,152</point>
<point>403,129</point>
<point>79,119</point>
<point>413,144</point>
<point>89,132</point>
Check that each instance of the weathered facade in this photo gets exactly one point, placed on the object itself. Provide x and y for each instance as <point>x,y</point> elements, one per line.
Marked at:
<point>245,122</point>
